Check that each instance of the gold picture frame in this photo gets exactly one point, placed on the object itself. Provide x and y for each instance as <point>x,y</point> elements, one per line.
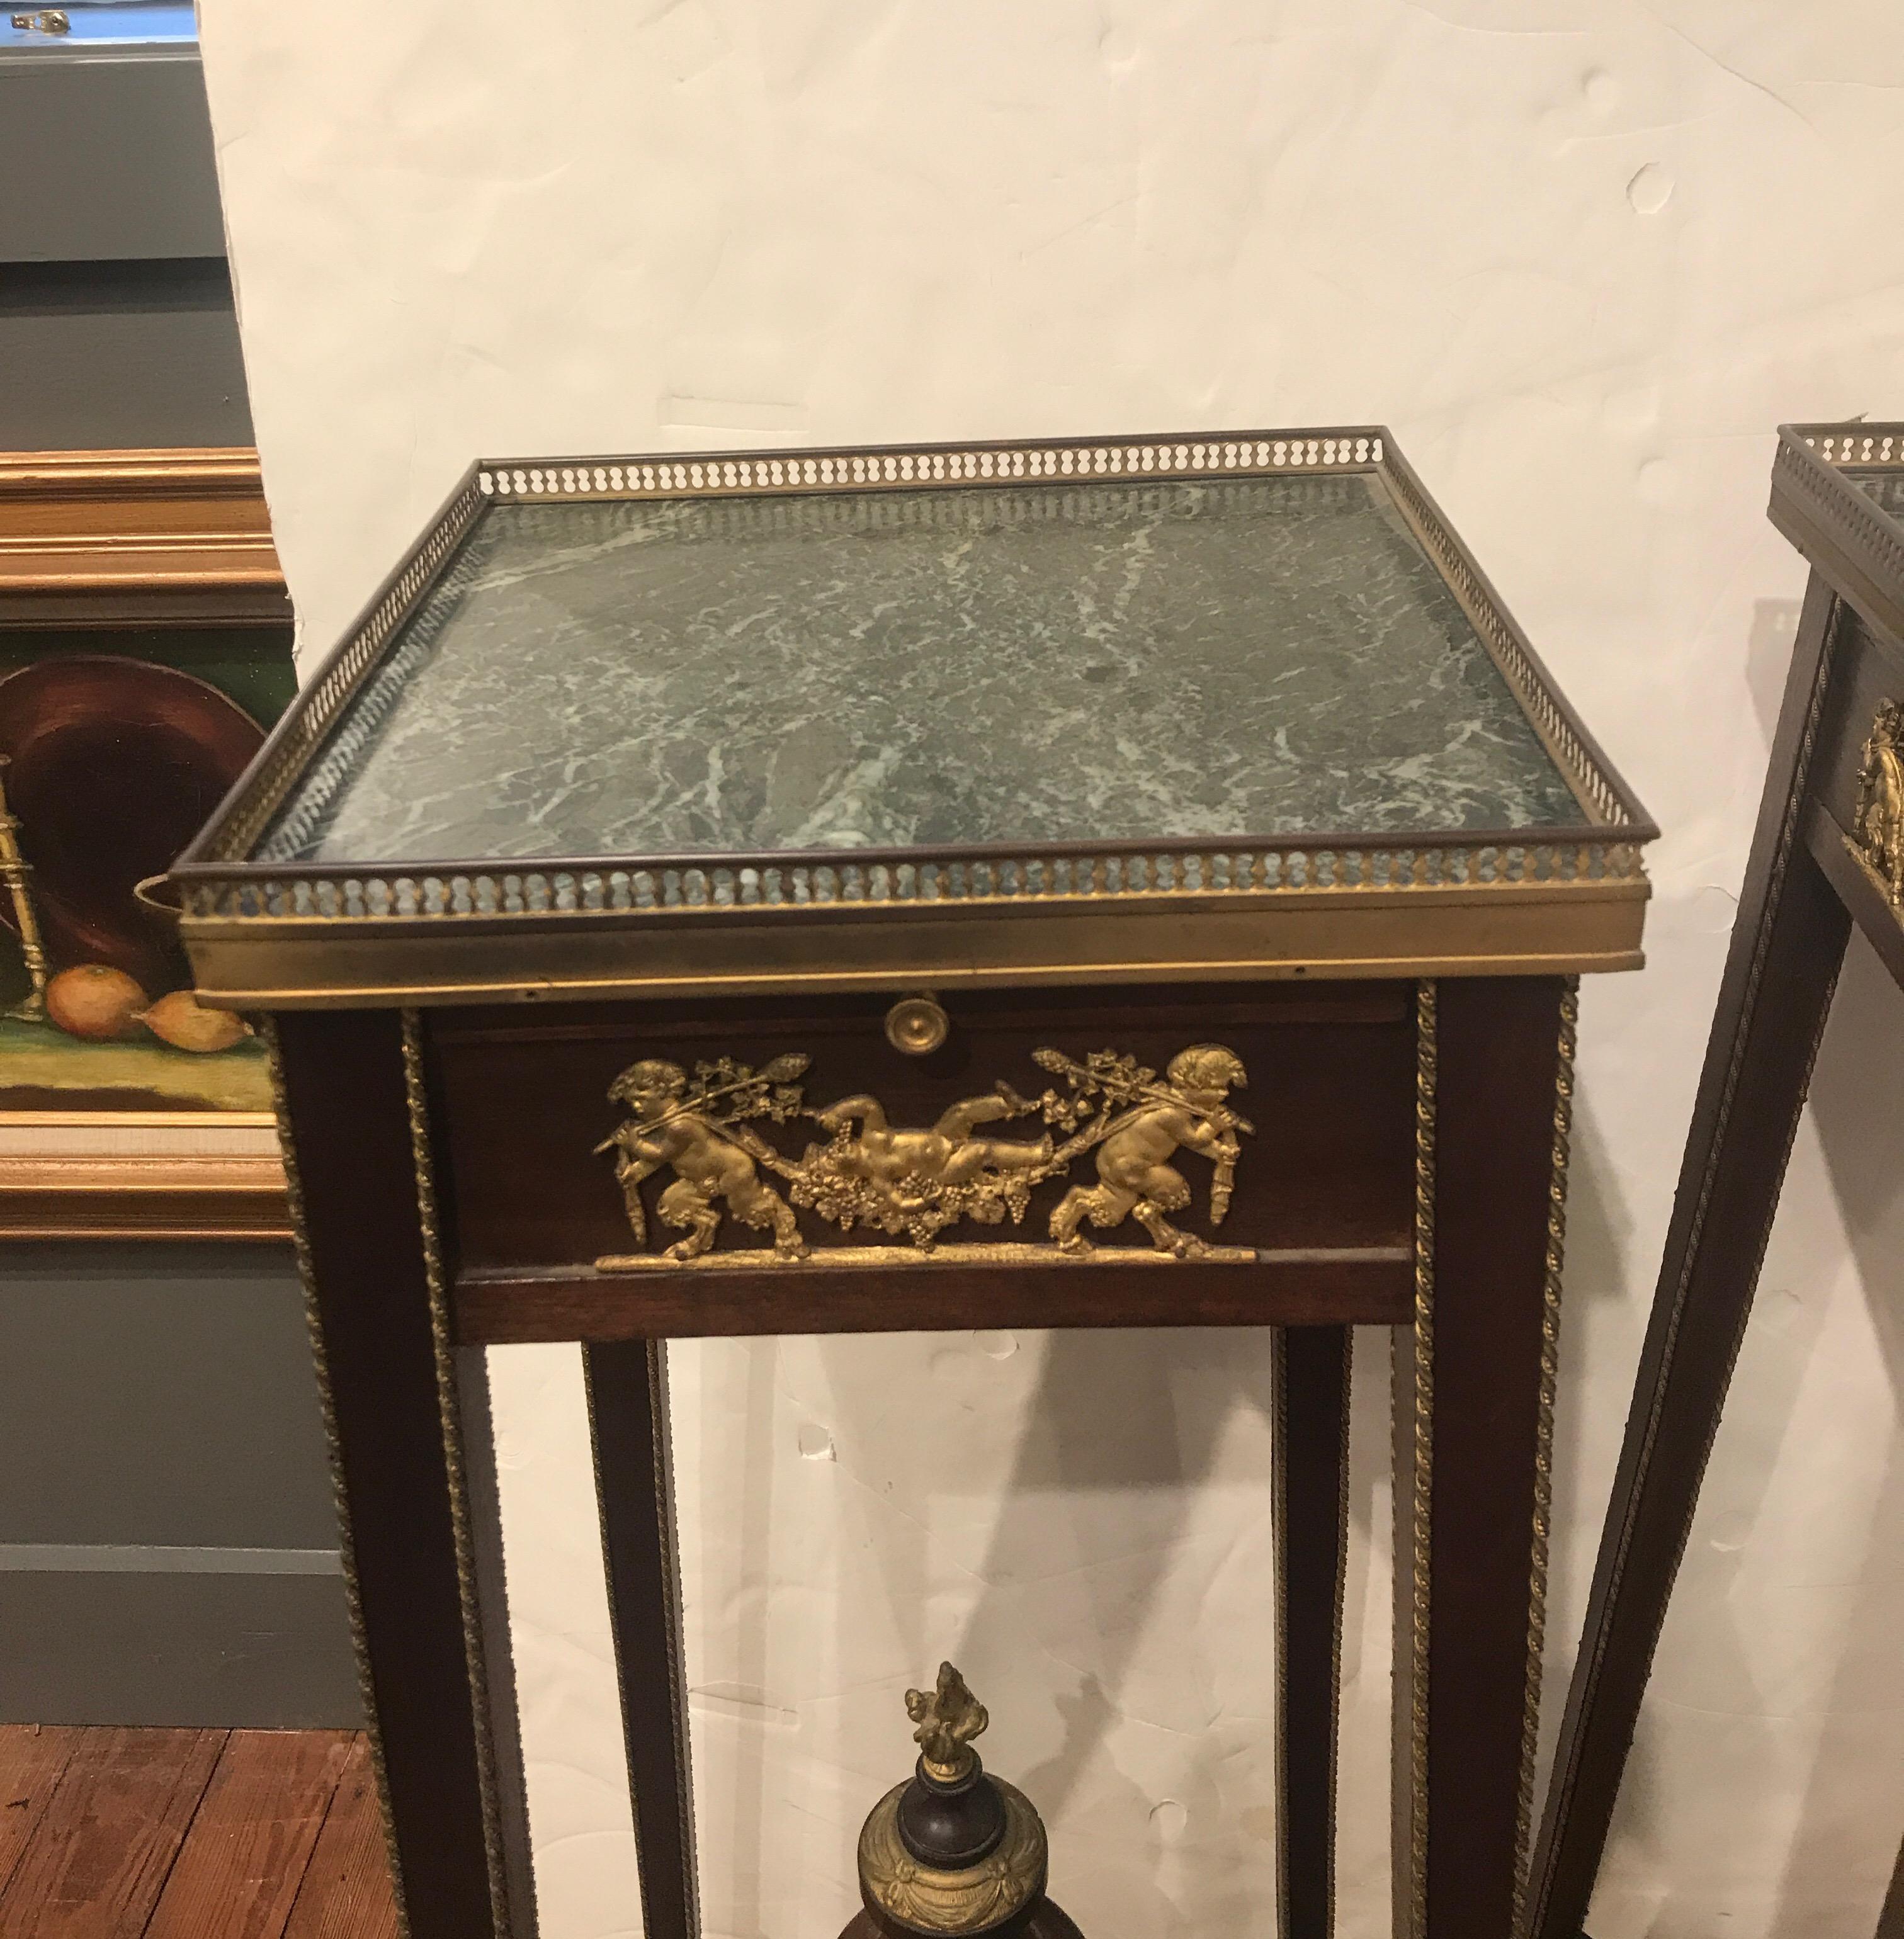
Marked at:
<point>155,544</point>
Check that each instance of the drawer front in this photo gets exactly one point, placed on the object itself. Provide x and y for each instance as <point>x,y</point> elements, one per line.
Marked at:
<point>1173,1128</point>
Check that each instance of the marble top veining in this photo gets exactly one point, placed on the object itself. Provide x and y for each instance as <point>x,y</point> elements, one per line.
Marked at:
<point>1102,661</point>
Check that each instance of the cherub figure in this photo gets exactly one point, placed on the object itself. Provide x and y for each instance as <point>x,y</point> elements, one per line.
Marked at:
<point>1877,819</point>
<point>713,1161</point>
<point>1134,1177</point>
<point>948,1718</point>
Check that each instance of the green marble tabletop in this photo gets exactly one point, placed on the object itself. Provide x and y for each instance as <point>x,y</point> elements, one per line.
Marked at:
<point>1103,661</point>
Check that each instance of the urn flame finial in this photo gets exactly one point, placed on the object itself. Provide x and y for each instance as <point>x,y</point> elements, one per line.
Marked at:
<point>948,1718</point>
<point>956,1853</point>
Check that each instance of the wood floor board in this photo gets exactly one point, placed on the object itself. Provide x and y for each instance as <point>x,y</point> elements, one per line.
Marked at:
<point>346,1891</point>
<point>238,1875</point>
<point>191,1834</point>
<point>95,1864</point>
<point>32,1757</point>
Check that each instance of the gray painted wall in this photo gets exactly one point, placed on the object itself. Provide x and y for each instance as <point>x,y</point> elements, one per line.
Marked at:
<point>168,1553</point>
<point>117,328</point>
<point>109,157</point>
<point>118,355</point>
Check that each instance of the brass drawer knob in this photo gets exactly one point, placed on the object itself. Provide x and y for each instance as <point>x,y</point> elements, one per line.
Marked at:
<point>917,1026</point>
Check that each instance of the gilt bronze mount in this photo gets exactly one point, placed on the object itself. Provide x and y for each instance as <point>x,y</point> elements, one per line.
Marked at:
<point>914,1183</point>
<point>1877,833</point>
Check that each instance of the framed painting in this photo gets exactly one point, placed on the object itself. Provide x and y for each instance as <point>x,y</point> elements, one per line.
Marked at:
<point>145,648</point>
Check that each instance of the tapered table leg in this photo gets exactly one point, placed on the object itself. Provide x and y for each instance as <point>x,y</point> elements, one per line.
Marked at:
<point>1474,1412</point>
<point>395,1432</point>
<point>1787,945</point>
<point>1311,1508</point>
<point>628,1415</point>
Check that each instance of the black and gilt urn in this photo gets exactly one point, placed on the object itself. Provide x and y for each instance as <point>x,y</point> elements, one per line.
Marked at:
<point>955,1850</point>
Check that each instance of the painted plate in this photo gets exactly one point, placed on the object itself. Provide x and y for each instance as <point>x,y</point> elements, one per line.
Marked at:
<point>115,764</point>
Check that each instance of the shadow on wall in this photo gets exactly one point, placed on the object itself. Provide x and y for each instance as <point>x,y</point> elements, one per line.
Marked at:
<point>1727,1684</point>
<point>1109,1418</point>
<point>1768,657</point>
<point>1084,1553</point>
<point>1125,1429</point>
<point>1600,1265</point>
<point>1601,1270</point>
<point>1856,1091</point>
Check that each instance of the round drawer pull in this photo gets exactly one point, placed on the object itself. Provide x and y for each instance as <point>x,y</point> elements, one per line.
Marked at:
<point>917,1026</point>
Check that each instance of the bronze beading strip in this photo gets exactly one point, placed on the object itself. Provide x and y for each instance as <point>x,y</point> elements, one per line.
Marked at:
<point>1341,1605</point>
<point>490,891</point>
<point>1279,1547</point>
<point>1543,1458</point>
<point>449,1408</point>
<point>1416,1439</point>
<point>353,1596</point>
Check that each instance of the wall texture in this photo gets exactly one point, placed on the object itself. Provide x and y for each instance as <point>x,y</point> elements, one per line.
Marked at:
<point>1582,257</point>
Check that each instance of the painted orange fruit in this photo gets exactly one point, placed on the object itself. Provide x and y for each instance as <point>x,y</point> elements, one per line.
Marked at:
<point>181,1020</point>
<point>94,1000</point>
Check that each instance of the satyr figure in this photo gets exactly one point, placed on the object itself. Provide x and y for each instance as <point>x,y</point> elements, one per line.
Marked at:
<point>1878,821</point>
<point>900,1179</point>
<point>712,1157</point>
<point>1135,1179</point>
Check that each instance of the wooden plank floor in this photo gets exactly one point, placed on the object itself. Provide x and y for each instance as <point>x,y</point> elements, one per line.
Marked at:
<point>190,1835</point>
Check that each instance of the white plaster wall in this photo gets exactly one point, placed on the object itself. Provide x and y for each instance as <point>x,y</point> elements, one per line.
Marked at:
<point>1582,257</point>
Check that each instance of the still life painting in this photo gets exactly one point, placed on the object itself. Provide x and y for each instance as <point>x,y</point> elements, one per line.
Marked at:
<point>109,765</point>
<point>145,649</point>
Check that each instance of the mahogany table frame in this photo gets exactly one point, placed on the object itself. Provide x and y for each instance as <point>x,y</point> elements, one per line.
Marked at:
<point>402,1336</point>
<point>1476,936</point>
<point>1804,888</point>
